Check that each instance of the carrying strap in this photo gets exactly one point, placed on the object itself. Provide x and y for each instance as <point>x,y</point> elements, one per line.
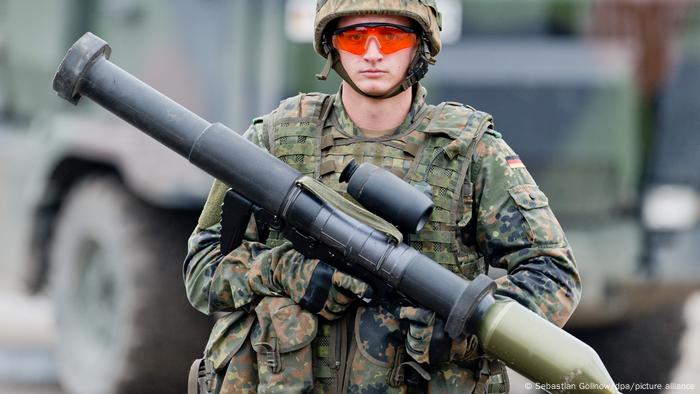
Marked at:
<point>201,379</point>
<point>353,210</point>
<point>193,377</point>
<point>211,213</point>
<point>482,377</point>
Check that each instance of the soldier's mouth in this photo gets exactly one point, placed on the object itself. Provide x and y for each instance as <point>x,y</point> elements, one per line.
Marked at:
<point>373,73</point>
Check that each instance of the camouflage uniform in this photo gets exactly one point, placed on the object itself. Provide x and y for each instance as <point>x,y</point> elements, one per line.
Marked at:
<point>501,219</point>
<point>488,211</point>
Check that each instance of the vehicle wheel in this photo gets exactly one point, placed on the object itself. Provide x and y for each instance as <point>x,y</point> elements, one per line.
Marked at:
<point>124,323</point>
<point>643,350</point>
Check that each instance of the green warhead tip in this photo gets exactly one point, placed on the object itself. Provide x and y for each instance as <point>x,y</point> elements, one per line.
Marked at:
<point>541,351</point>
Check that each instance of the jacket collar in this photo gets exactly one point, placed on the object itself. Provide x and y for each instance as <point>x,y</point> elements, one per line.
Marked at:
<point>345,125</point>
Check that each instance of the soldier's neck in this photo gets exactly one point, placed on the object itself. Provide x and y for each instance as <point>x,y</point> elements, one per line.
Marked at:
<point>376,117</point>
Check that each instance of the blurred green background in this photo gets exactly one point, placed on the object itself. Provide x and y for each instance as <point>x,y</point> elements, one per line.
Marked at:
<point>599,98</point>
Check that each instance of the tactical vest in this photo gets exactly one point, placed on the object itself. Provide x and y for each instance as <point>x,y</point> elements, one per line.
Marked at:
<point>436,149</point>
<point>434,152</point>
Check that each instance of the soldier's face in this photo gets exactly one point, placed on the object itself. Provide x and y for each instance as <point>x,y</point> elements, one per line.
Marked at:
<point>374,72</point>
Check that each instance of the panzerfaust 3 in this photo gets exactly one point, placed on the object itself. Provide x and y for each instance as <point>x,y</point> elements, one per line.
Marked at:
<point>353,240</point>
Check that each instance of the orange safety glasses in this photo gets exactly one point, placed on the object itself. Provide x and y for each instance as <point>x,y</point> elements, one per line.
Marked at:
<point>390,38</point>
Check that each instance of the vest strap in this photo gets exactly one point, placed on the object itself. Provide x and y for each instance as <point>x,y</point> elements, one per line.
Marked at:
<point>327,141</point>
<point>411,148</point>
<point>194,376</point>
<point>482,377</point>
<point>327,167</point>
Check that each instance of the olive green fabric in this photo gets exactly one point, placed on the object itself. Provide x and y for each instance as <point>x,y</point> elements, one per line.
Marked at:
<point>211,213</point>
<point>353,210</point>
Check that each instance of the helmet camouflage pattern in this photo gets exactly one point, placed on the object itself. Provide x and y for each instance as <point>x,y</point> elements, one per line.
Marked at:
<point>423,12</point>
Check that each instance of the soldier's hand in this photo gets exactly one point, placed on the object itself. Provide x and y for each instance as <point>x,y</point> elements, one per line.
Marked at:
<point>419,333</point>
<point>426,340</point>
<point>344,290</point>
<point>313,284</point>
<point>327,291</point>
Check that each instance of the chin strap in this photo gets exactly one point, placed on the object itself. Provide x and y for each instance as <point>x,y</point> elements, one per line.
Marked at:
<point>416,71</point>
<point>330,61</point>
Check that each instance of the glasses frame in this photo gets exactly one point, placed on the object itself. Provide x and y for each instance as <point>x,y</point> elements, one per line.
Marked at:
<point>403,28</point>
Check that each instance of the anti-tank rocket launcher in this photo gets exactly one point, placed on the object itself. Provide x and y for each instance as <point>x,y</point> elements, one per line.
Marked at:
<point>352,240</point>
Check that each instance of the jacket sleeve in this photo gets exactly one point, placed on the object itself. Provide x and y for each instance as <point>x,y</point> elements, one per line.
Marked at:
<point>218,283</point>
<point>517,231</point>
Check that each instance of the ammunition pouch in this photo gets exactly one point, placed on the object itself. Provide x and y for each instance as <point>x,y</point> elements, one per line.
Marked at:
<point>282,341</point>
<point>378,336</point>
<point>227,351</point>
<point>379,343</point>
<point>380,360</point>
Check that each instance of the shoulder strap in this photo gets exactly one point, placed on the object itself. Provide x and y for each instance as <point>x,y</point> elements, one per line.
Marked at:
<point>478,123</point>
<point>465,144</point>
<point>449,118</point>
<point>194,376</point>
<point>440,167</point>
<point>465,188</point>
<point>304,107</point>
<point>463,124</point>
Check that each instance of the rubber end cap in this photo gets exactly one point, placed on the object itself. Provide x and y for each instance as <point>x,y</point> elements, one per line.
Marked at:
<point>78,60</point>
<point>348,171</point>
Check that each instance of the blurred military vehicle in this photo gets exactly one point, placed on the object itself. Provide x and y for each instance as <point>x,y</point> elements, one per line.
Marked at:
<point>99,213</point>
<point>102,213</point>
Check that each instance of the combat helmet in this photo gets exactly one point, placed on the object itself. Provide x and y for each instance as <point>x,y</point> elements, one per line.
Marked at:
<point>423,12</point>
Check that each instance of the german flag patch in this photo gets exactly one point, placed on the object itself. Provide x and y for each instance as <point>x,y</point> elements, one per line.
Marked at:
<point>514,162</point>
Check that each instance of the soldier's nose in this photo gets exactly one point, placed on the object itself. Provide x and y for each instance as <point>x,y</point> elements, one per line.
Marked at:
<point>372,52</point>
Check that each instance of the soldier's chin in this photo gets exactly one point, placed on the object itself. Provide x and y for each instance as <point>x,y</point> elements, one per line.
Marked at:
<point>375,88</point>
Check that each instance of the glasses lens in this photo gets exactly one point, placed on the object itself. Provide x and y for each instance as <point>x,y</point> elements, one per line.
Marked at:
<point>353,40</point>
<point>390,39</point>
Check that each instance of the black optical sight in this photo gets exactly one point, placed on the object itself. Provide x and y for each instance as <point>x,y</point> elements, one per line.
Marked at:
<point>388,196</point>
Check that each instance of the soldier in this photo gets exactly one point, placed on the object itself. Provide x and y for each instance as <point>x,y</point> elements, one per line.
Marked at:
<point>294,324</point>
